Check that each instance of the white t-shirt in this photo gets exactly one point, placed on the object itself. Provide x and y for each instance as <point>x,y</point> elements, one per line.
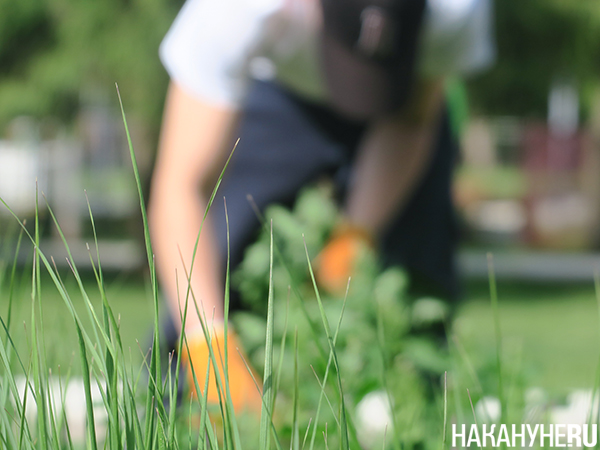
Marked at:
<point>215,47</point>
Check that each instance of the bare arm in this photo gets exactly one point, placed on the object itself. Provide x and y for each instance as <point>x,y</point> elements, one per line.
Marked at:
<point>191,151</point>
<point>392,160</point>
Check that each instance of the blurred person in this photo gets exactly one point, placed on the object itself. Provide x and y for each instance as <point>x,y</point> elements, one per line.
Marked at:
<point>349,89</point>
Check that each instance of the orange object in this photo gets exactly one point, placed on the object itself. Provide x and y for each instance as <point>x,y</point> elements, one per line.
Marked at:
<point>337,261</point>
<point>242,388</point>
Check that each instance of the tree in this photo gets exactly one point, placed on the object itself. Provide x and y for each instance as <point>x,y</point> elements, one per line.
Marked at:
<point>50,50</point>
<point>539,41</point>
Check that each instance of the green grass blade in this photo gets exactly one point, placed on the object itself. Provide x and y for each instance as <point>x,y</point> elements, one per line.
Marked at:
<point>10,384</point>
<point>155,359</point>
<point>265,417</point>
<point>306,434</point>
<point>473,410</point>
<point>57,283</point>
<point>63,394</point>
<point>39,372</point>
<point>314,328</point>
<point>596,385</point>
<point>322,386</point>
<point>54,426</point>
<point>344,442</point>
<point>175,388</point>
<point>215,363</point>
<point>327,369</point>
<point>136,173</point>
<point>230,422</point>
<point>498,332</point>
<point>88,391</point>
<point>97,324</point>
<point>295,441</point>
<point>281,350</point>
<point>11,285</point>
<point>110,360</point>
<point>466,360</point>
<point>384,381</point>
<point>5,352</point>
<point>204,422</point>
<point>154,388</point>
<point>4,391</point>
<point>445,411</point>
<point>208,206</point>
<point>49,431</point>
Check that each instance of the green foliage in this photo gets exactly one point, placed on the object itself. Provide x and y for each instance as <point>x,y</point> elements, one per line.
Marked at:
<point>538,41</point>
<point>53,51</point>
<point>23,27</point>
<point>377,346</point>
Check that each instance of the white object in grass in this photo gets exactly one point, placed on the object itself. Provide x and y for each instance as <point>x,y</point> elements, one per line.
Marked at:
<point>76,410</point>
<point>536,403</point>
<point>72,399</point>
<point>374,418</point>
<point>488,410</point>
<point>19,170</point>
<point>427,311</point>
<point>578,409</point>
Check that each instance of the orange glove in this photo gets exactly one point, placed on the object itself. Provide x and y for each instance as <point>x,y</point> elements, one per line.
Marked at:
<point>242,387</point>
<point>337,261</point>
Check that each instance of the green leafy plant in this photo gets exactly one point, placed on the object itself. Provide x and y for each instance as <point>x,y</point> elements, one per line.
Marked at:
<point>380,352</point>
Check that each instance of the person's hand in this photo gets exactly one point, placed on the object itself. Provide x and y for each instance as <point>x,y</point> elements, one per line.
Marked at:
<point>337,261</point>
<point>242,387</point>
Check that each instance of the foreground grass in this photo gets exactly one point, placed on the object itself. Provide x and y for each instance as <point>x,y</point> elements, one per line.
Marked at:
<point>129,296</point>
<point>106,369</point>
<point>555,327</point>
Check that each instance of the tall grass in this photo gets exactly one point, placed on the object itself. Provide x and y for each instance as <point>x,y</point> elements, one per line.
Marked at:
<point>136,414</point>
<point>125,409</point>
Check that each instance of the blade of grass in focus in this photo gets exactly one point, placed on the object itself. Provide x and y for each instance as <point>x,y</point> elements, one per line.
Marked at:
<point>344,444</point>
<point>295,441</point>
<point>108,319</point>
<point>267,397</point>
<point>231,426</point>
<point>39,372</point>
<point>327,369</point>
<point>281,351</point>
<point>295,285</point>
<point>154,390</point>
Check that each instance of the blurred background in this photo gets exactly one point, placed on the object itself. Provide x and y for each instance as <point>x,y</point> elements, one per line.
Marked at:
<point>527,183</point>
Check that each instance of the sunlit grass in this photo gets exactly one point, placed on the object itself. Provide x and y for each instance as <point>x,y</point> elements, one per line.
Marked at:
<point>555,326</point>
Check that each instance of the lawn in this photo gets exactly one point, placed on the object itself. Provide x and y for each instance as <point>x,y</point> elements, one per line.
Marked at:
<point>130,299</point>
<point>554,328</point>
